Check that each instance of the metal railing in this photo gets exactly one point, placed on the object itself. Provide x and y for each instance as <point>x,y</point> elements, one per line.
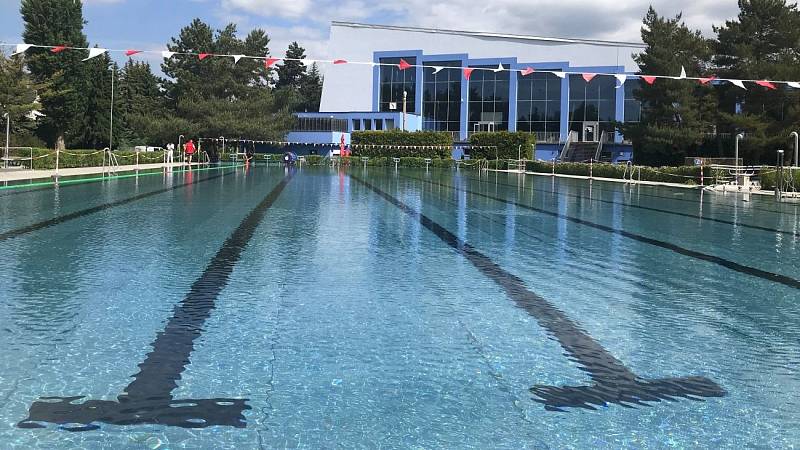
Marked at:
<point>573,136</point>
<point>548,137</point>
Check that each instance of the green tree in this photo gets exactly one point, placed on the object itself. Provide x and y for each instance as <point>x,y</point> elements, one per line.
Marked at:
<point>17,97</point>
<point>291,73</point>
<point>141,102</point>
<point>763,42</point>
<point>94,125</point>
<point>62,76</point>
<point>675,113</point>
<point>310,90</point>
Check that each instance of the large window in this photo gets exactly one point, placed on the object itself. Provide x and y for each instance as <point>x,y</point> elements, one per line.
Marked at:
<point>590,103</point>
<point>633,107</point>
<point>441,97</point>
<point>394,81</point>
<point>539,105</point>
<point>488,99</point>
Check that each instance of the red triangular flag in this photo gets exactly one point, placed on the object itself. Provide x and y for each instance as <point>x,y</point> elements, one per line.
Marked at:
<point>58,48</point>
<point>468,72</point>
<point>132,52</point>
<point>588,76</point>
<point>527,71</point>
<point>707,80</point>
<point>766,84</point>
<point>339,61</point>
<point>203,56</point>
<point>648,80</point>
<point>403,64</point>
<point>270,61</point>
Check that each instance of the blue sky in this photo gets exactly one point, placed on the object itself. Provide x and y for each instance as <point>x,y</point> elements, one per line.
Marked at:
<point>148,24</point>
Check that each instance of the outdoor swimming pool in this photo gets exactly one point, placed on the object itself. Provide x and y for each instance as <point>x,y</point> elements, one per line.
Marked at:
<point>237,308</point>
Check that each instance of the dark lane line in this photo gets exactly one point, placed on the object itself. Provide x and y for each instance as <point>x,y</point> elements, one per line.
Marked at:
<point>769,276</point>
<point>647,208</point>
<point>85,212</point>
<point>148,398</point>
<point>613,382</point>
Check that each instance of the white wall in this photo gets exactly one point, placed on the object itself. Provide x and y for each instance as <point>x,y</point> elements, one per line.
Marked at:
<point>349,87</point>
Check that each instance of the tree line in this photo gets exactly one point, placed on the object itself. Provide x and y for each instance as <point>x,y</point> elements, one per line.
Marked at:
<point>683,118</point>
<point>209,98</point>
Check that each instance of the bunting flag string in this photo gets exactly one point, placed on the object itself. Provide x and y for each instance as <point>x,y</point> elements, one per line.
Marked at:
<point>94,52</point>
<point>270,61</point>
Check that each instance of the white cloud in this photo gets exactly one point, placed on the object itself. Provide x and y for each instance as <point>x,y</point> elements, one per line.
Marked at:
<point>307,21</point>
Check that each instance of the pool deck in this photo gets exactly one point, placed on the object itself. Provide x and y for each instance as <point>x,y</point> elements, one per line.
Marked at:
<point>24,174</point>
<point>649,183</point>
<point>612,180</point>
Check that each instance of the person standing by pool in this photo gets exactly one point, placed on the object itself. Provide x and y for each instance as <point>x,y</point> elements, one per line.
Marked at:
<point>170,153</point>
<point>189,148</point>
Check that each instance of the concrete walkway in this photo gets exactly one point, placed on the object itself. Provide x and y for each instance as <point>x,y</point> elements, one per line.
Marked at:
<point>611,180</point>
<point>25,174</point>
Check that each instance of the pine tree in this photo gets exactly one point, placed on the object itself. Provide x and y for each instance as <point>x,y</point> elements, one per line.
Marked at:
<point>17,96</point>
<point>763,42</point>
<point>310,90</point>
<point>95,123</point>
<point>675,113</point>
<point>57,22</point>
<point>290,73</point>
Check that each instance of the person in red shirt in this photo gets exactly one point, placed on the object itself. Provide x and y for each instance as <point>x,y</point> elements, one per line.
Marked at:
<point>189,148</point>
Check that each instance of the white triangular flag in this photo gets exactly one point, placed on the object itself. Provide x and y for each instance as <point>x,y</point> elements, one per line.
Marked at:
<point>683,73</point>
<point>437,69</point>
<point>559,74</point>
<point>236,58</point>
<point>94,52</point>
<point>499,68</point>
<point>307,62</point>
<point>167,55</point>
<point>738,83</point>
<point>621,78</point>
<point>22,48</point>
<point>794,84</point>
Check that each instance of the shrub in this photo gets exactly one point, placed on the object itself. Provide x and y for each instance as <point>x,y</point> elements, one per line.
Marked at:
<point>769,178</point>
<point>390,144</point>
<point>507,145</point>
<point>681,174</point>
<point>45,159</point>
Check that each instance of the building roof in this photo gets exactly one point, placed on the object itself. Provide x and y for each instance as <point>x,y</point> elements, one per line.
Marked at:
<point>485,34</point>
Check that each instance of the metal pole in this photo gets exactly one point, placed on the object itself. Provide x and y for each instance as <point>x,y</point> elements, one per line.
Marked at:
<point>111,130</point>
<point>180,147</point>
<point>739,137</point>
<point>405,111</point>
<point>779,175</point>
<point>8,135</point>
<point>795,136</point>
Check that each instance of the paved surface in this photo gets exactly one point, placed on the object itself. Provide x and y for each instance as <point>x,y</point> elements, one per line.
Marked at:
<point>23,174</point>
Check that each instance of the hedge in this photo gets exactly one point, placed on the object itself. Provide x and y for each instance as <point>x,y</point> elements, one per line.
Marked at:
<point>769,178</point>
<point>82,158</point>
<point>507,145</point>
<point>390,143</point>
<point>680,174</point>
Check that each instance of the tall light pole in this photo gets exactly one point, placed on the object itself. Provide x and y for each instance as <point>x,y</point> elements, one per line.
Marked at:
<point>111,127</point>
<point>739,137</point>
<point>180,148</point>
<point>8,134</point>
<point>794,135</point>
<point>405,110</point>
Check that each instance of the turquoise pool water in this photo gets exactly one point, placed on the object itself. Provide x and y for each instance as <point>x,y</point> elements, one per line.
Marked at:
<point>235,308</point>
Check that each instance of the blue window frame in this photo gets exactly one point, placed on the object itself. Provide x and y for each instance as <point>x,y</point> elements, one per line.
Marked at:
<point>441,96</point>
<point>539,103</point>
<point>488,98</point>
<point>393,82</point>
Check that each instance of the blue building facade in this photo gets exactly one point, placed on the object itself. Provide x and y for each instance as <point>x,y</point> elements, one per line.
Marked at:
<point>496,97</point>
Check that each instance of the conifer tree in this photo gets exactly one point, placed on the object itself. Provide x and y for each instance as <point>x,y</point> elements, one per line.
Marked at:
<point>62,76</point>
<point>17,96</point>
<point>290,73</point>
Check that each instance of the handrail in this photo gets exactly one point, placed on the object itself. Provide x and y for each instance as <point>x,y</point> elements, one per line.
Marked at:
<point>567,143</point>
<point>600,145</point>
